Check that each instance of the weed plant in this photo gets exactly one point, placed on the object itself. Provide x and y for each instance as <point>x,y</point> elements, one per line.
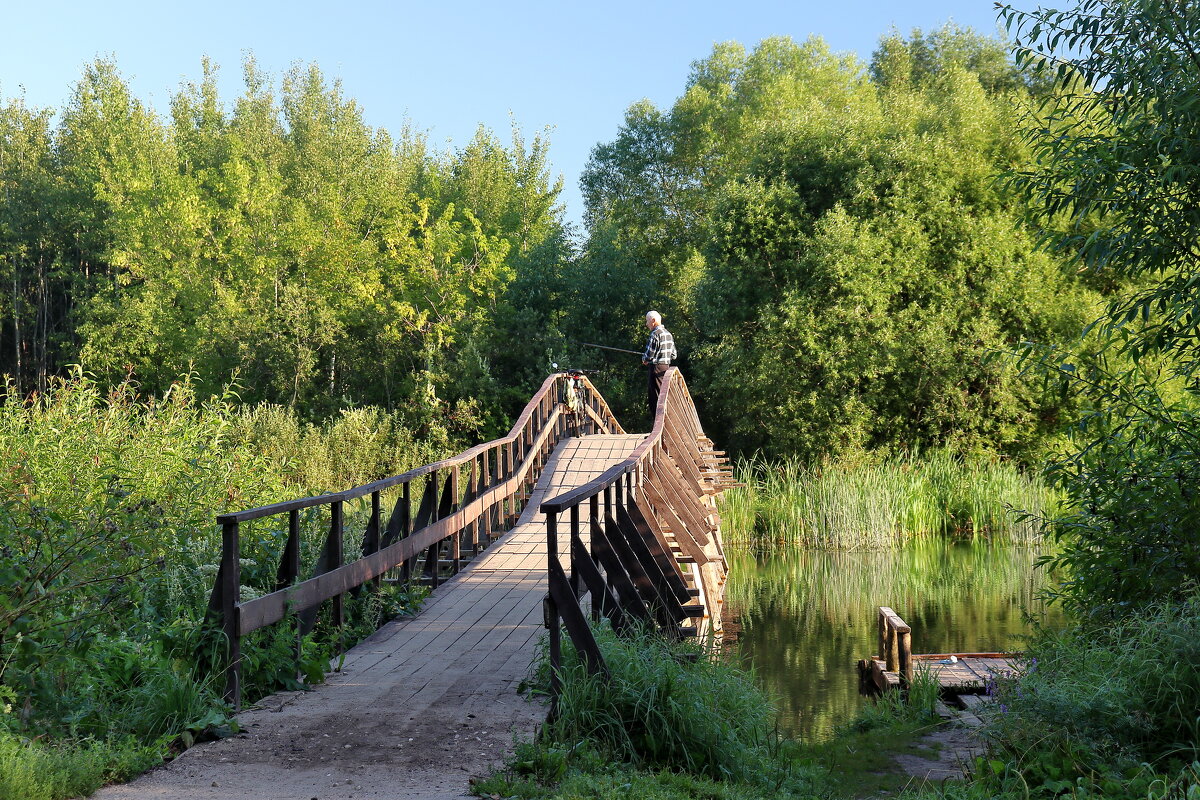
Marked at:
<point>1100,698</point>
<point>666,706</point>
<point>848,505</point>
<point>913,706</point>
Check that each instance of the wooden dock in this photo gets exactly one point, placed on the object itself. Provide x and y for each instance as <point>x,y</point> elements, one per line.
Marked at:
<point>956,673</point>
<point>970,673</point>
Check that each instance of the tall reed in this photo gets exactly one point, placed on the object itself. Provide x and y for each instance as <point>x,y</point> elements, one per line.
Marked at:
<point>854,506</point>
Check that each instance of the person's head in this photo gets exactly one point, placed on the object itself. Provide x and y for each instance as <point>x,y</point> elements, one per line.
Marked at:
<point>653,319</point>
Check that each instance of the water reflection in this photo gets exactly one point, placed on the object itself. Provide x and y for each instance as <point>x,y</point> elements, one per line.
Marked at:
<point>807,617</point>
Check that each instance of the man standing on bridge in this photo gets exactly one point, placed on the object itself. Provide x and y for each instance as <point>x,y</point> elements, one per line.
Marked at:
<point>660,352</point>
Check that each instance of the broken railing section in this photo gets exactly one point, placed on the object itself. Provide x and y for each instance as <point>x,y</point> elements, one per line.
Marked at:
<point>642,541</point>
<point>437,511</point>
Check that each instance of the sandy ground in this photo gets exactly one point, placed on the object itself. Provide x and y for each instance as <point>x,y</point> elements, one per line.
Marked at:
<point>351,738</point>
<point>348,739</point>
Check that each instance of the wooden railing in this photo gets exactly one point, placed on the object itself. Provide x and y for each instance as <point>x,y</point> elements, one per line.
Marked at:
<point>643,539</point>
<point>895,644</point>
<point>469,499</point>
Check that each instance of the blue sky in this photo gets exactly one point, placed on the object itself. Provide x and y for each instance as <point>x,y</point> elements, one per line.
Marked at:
<point>447,67</point>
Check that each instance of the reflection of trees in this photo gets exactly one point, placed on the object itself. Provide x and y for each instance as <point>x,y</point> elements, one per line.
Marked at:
<point>808,616</point>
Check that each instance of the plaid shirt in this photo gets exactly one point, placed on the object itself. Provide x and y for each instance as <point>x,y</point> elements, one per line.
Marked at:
<point>661,347</point>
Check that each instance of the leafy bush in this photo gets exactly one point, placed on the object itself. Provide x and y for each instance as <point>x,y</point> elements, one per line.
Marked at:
<point>1105,696</point>
<point>109,549</point>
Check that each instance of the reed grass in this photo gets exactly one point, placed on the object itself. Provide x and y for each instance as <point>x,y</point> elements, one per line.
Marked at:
<point>882,504</point>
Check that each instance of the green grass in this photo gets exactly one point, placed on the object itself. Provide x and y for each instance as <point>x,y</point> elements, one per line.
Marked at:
<point>30,769</point>
<point>881,504</point>
<point>674,722</point>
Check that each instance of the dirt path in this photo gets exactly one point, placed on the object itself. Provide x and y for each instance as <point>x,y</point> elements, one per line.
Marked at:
<point>362,734</point>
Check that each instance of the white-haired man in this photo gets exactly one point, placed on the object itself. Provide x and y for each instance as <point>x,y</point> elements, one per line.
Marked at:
<point>660,352</point>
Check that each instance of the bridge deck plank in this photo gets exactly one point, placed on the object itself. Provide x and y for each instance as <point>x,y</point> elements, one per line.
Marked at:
<point>419,687</point>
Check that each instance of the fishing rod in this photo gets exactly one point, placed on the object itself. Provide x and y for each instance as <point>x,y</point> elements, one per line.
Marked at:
<point>615,349</point>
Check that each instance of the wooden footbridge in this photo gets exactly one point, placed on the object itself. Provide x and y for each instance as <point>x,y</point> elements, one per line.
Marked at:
<point>566,521</point>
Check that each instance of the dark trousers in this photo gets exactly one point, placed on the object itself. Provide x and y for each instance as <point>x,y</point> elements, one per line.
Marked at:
<point>654,375</point>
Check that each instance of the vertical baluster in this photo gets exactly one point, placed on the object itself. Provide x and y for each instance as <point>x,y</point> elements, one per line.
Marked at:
<point>336,557</point>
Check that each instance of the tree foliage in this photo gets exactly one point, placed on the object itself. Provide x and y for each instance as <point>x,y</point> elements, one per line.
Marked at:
<point>831,244</point>
<point>1116,182</point>
<point>279,240</point>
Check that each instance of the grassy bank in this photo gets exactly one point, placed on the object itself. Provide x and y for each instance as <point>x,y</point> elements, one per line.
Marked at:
<point>881,503</point>
<point>108,550</point>
<point>674,722</point>
<point>1092,713</point>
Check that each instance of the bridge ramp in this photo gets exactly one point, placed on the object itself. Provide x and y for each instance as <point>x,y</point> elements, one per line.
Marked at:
<point>419,707</point>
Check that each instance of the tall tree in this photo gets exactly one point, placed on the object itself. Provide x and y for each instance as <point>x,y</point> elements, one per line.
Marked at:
<point>836,247</point>
<point>1116,185</point>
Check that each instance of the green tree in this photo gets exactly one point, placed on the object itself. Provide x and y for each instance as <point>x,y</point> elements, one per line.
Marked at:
<point>835,247</point>
<point>34,323</point>
<point>279,240</point>
<point>1116,182</point>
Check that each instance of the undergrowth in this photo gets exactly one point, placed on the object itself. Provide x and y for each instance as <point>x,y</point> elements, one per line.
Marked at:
<point>670,721</point>
<point>108,552</point>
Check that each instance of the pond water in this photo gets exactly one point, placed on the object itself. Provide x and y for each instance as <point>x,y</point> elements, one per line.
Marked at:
<point>807,617</point>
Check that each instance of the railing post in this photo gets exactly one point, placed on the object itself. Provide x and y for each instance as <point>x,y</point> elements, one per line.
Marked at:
<point>456,536</point>
<point>905,661</point>
<point>406,527</point>
<point>371,544</point>
<point>231,580</point>
<point>474,490</point>
<point>293,568</point>
<point>575,533</point>
<point>336,557</point>
<point>552,620</point>
<point>882,636</point>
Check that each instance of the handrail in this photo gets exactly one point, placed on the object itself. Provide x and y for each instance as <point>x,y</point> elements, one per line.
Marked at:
<point>418,472</point>
<point>499,474</point>
<point>653,537</point>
